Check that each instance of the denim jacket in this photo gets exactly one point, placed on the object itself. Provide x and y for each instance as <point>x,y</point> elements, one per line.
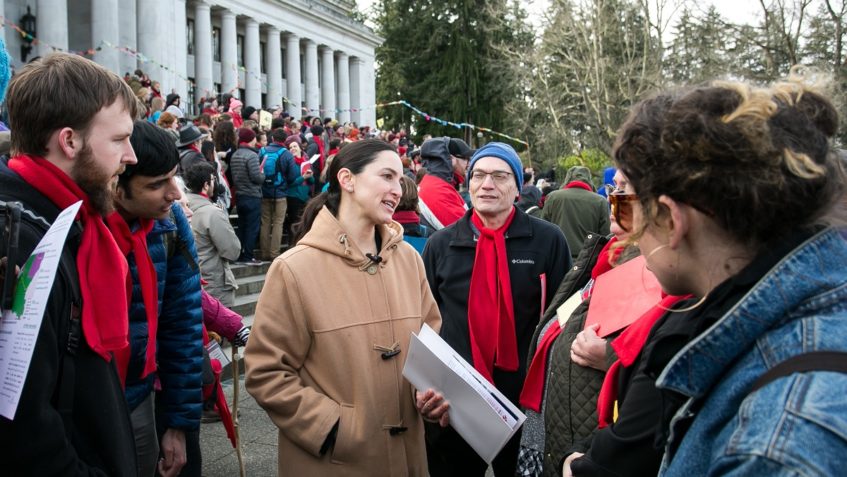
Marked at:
<point>796,425</point>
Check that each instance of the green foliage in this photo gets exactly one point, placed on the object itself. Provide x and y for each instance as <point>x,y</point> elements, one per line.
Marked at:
<point>567,89</point>
<point>446,57</point>
<point>596,160</point>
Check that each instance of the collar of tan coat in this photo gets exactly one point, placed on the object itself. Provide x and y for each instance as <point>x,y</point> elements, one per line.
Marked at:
<point>327,234</point>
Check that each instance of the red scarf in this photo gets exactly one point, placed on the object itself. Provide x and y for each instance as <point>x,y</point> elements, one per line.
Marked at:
<point>491,315</point>
<point>578,185</point>
<point>533,389</point>
<point>628,346</point>
<point>100,264</point>
<point>406,217</point>
<point>136,242</point>
<point>320,144</point>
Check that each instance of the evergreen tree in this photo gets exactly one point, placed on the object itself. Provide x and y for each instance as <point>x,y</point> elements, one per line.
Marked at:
<point>444,57</point>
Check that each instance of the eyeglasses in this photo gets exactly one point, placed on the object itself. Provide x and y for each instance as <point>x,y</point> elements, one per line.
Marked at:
<point>622,208</point>
<point>499,177</point>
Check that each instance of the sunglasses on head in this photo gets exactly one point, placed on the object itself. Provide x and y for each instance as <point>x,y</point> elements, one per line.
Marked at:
<point>622,208</point>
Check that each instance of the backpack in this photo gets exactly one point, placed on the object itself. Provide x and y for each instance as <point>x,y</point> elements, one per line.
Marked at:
<point>13,216</point>
<point>271,169</point>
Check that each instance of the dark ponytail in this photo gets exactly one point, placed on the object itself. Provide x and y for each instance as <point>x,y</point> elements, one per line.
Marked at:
<point>355,157</point>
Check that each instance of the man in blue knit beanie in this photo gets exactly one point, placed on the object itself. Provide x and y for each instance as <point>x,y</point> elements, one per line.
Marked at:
<point>493,273</point>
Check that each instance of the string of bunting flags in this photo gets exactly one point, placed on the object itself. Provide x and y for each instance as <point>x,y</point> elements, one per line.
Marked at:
<point>146,59</point>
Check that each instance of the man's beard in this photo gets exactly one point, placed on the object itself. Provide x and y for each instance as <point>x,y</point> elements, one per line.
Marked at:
<point>94,181</point>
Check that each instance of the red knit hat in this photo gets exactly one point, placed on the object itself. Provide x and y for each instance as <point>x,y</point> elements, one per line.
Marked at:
<point>245,135</point>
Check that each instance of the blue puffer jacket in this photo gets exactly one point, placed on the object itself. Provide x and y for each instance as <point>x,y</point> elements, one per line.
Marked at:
<point>179,352</point>
<point>796,425</point>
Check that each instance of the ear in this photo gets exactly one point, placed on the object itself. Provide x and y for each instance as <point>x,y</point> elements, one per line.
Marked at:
<point>346,179</point>
<point>70,142</point>
<point>677,221</point>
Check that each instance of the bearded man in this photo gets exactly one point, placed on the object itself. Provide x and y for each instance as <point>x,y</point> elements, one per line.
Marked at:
<point>71,121</point>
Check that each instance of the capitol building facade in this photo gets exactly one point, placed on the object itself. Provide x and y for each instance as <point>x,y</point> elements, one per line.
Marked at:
<point>300,54</point>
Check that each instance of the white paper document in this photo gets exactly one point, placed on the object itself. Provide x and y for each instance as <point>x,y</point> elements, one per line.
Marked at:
<point>314,158</point>
<point>480,413</point>
<point>19,326</point>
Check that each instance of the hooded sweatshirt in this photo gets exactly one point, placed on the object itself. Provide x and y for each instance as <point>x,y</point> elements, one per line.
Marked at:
<point>440,204</point>
<point>577,209</point>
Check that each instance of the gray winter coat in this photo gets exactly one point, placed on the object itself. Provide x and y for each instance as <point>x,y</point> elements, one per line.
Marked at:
<point>247,176</point>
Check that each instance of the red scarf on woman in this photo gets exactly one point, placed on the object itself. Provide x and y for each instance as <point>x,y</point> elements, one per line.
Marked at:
<point>491,315</point>
<point>533,388</point>
<point>628,346</point>
<point>136,242</point>
<point>100,264</point>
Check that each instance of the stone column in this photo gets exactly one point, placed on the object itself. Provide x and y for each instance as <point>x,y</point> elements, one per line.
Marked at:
<point>343,87</point>
<point>313,99</point>
<point>356,90</point>
<point>104,27</point>
<point>150,40</point>
<point>180,53</point>
<point>229,54</point>
<point>127,35</point>
<point>203,77</point>
<point>328,83</point>
<point>292,68</point>
<point>274,62</point>
<point>51,25</point>
<point>367,93</point>
<point>252,78</point>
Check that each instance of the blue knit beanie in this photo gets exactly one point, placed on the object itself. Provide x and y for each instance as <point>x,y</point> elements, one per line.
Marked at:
<point>500,151</point>
<point>5,71</point>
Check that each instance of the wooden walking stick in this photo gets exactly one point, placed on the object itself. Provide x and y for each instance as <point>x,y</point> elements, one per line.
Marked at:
<point>235,385</point>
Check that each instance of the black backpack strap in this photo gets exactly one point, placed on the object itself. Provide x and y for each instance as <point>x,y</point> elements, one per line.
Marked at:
<point>67,380</point>
<point>835,361</point>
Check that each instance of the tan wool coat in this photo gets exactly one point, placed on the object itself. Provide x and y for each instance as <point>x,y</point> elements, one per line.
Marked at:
<point>324,319</point>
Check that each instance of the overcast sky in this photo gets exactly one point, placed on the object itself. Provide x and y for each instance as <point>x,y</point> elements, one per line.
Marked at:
<point>739,11</point>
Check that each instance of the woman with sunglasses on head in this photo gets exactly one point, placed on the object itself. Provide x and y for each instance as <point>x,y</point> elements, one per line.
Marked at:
<point>568,362</point>
<point>577,424</point>
<point>333,325</point>
<point>745,211</point>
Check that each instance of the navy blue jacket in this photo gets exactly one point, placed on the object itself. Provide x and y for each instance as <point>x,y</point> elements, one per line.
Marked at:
<point>179,337</point>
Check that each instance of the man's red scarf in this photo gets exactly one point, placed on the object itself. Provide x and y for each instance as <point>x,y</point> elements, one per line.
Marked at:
<point>628,346</point>
<point>100,264</point>
<point>319,141</point>
<point>533,389</point>
<point>491,314</point>
<point>136,242</point>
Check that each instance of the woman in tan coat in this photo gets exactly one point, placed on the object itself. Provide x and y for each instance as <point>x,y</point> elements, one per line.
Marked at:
<point>332,330</point>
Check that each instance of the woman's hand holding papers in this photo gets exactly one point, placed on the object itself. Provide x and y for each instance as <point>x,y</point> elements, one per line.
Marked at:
<point>433,407</point>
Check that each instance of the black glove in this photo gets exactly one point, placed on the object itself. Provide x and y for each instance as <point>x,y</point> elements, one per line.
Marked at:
<point>240,338</point>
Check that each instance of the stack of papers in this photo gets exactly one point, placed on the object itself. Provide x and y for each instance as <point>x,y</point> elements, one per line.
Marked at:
<point>480,413</point>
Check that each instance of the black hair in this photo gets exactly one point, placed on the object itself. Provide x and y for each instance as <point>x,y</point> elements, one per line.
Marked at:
<point>156,152</point>
<point>277,123</point>
<point>208,150</point>
<point>224,102</point>
<point>197,175</point>
<point>317,130</point>
<point>355,157</point>
<point>279,135</point>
